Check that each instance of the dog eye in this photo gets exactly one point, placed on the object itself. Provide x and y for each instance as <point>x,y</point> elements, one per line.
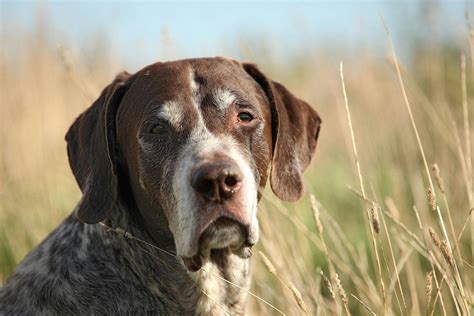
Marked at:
<point>157,129</point>
<point>245,117</point>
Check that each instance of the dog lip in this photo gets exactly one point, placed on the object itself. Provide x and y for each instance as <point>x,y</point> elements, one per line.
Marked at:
<point>222,222</point>
<point>219,224</point>
<point>193,263</point>
<point>202,250</point>
<point>215,217</point>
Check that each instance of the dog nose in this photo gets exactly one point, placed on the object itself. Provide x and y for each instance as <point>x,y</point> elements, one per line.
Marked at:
<point>217,182</point>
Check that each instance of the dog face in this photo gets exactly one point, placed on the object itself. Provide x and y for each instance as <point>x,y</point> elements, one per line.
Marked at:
<point>194,140</point>
<point>198,150</point>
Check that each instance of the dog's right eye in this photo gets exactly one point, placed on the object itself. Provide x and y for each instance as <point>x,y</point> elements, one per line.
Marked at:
<point>157,128</point>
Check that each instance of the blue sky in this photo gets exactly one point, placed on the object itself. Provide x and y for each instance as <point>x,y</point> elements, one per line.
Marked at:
<point>135,29</point>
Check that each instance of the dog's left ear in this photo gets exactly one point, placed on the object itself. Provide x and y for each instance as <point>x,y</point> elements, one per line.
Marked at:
<point>295,131</point>
<point>91,147</point>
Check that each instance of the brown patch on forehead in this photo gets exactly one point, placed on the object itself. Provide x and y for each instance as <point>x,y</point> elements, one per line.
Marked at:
<point>220,73</point>
<point>156,85</point>
<point>171,82</point>
<point>221,82</point>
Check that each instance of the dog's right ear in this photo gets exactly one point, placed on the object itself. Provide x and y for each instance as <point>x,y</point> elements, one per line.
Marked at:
<point>91,147</point>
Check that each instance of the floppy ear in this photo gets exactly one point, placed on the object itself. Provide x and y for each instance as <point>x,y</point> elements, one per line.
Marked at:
<point>91,147</point>
<point>295,130</point>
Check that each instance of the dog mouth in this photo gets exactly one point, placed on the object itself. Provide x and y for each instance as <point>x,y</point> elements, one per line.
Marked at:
<point>222,237</point>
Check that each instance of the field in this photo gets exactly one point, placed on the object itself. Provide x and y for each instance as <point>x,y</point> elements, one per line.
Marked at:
<point>387,225</point>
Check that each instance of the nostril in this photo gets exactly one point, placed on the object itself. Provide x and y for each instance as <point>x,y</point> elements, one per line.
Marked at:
<point>229,185</point>
<point>205,186</point>
<point>230,181</point>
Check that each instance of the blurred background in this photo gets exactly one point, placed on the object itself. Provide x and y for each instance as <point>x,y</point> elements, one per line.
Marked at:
<point>56,57</point>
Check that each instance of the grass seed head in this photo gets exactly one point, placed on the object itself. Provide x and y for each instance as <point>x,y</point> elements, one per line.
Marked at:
<point>315,209</point>
<point>267,263</point>
<point>446,251</point>
<point>328,285</point>
<point>298,297</point>
<point>341,290</point>
<point>434,237</point>
<point>431,199</point>
<point>429,285</point>
<point>374,217</point>
<point>438,178</point>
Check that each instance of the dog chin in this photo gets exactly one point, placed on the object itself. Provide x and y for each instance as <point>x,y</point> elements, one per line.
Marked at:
<point>222,237</point>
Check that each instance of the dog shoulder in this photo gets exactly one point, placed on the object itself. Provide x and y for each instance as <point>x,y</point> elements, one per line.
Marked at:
<point>44,280</point>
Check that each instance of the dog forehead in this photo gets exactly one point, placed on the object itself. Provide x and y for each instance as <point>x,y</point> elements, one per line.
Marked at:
<point>179,89</point>
<point>183,77</point>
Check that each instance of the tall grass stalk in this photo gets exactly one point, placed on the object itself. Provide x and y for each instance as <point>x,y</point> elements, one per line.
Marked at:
<point>361,183</point>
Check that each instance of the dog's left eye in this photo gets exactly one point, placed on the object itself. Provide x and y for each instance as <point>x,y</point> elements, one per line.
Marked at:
<point>245,117</point>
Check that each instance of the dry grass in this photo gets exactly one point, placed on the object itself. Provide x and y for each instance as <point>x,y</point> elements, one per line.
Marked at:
<point>344,251</point>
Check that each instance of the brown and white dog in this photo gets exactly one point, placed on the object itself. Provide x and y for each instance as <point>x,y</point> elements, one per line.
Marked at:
<point>176,154</point>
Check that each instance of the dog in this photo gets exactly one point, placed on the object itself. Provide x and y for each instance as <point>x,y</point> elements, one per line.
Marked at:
<point>171,162</point>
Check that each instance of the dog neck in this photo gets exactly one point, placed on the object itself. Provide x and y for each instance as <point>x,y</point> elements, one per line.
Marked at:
<point>219,287</point>
<point>223,281</point>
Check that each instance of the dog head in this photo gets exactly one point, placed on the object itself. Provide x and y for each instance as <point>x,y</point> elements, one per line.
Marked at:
<point>194,140</point>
